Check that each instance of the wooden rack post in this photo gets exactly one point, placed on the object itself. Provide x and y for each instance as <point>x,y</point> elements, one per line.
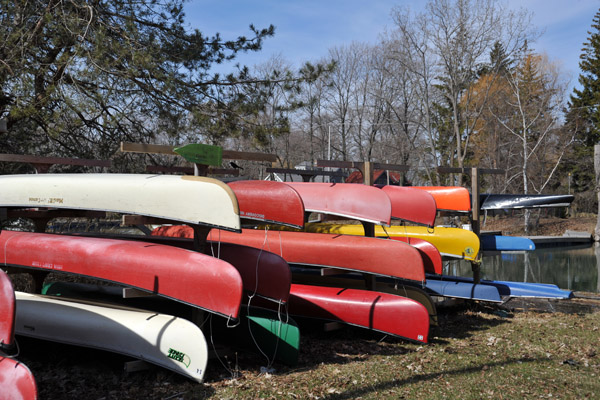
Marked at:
<point>367,169</point>
<point>475,205</point>
<point>306,174</point>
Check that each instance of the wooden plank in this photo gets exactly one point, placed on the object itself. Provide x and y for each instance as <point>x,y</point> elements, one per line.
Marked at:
<point>359,165</point>
<point>143,220</point>
<point>249,156</point>
<point>467,170</point>
<point>24,158</point>
<point>303,172</point>
<point>166,149</point>
<point>190,170</point>
<point>132,293</point>
<point>128,147</point>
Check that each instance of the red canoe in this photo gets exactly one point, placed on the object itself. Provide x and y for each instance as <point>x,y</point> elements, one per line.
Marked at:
<point>7,311</point>
<point>16,380</point>
<point>449,198</point>
<point>263,273</point>
<point>356,253</point>
<point>432,259</point>
<point>270,202</point>
<point>381,312</point>
<point>347,200</point>
<point>182,275</point>
<point>412,205</point>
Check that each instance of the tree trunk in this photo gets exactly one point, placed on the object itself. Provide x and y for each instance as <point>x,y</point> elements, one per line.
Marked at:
<point>597,188</point>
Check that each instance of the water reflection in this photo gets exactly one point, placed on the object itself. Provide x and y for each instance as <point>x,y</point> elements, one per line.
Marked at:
<point>574,268</point>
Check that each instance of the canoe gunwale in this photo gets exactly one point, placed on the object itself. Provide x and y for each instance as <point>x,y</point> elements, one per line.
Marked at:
<point>159,217</point>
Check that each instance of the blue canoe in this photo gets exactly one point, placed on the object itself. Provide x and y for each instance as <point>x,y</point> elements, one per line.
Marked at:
<point>509,289</point>
<point>505,243</point>
<point>463,290</point>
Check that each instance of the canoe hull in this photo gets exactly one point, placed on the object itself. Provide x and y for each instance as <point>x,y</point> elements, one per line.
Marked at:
<point>312,276</point>
<point>518,201</point>
<point>269,202</point>
<point>17,380</point>
<point>186,276</point>
<point>412,205</point>
<point>450,199</point>
<point>506,243</point>
<point>370,255</point>
<point>7,314</point>
<point>450,242</point>
<point>347,200</point>
<point>509,289</point>
<point>189,199</point>
<point>164,340</point>
<point>377,311</point>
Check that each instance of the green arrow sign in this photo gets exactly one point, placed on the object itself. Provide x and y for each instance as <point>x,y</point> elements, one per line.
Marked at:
<point>201,153</point>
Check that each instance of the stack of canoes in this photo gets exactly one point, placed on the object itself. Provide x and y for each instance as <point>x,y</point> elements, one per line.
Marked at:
<point>200,273</point>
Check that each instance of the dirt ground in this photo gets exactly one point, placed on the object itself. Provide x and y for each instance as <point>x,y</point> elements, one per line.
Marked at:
<point>547,226</point>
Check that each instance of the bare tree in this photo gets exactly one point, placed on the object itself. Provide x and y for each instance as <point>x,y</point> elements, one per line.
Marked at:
<point>457,36</point>
<point>531,116</point>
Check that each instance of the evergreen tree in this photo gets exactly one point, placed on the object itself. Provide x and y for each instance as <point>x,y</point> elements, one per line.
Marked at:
<point>78,77</point>
<point>583,113</point>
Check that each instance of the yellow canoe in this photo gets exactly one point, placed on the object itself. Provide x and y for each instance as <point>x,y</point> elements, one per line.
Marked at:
<point>450,242</point>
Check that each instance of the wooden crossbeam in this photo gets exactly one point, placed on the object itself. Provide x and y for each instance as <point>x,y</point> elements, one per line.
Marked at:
<point>190,171</point>
<point>166,149</point>
<point>144,220</point>
<point>49,161</point>
<point>468,170</point>
<point>360,165</point>
<point>475,173</point>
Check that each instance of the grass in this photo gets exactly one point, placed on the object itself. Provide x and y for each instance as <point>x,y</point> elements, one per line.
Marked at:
<point>474,353</point>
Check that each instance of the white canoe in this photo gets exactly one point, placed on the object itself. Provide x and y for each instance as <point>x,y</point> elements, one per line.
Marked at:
<point>189,199</point>
<point>170,342</point>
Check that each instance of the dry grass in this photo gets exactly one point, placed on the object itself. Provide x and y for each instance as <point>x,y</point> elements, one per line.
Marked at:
<point>475,353</point>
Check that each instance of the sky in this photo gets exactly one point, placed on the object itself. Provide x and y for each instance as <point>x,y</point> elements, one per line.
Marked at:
<point>305,30</point>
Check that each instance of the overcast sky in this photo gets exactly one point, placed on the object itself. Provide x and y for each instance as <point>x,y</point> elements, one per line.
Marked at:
<point>307,29</point>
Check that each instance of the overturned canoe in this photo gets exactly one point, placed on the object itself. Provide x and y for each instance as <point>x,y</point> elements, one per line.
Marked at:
<point>362,254</point>
<point>412,204</point>
<point>17,380</point>
<point>377,311</point>
<point>508,289</point>
<point>450,242</point>
<point>506,243</point>
<point>182,275</point>
<point>347,200</point>
<point>263,273</point>
<point>269,202</point>
<point>188,199</point>
<point>170,342</point>
<point>517,201</point>
<point>7,312</point>
<point>450,199</point>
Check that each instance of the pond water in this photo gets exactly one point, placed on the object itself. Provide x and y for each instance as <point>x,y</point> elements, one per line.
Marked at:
<point>574,268</point>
